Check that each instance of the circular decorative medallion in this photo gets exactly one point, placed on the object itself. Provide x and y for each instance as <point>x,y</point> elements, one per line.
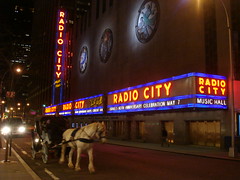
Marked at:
<point>147,21</point>
<point>106,44</point>
<point>83,59</point>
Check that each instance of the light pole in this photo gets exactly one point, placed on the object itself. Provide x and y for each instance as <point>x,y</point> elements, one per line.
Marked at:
<point>232,149</point>
<point>12,70</point>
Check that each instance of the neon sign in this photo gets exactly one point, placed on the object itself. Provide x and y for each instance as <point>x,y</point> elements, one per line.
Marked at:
<point>148,92</point>
<point>89,105</point>
<point>51,110</point>
<point>192,90</point>
<point>211,86</point>
<point>60,43</point>
<point>65,109</point>
<point>172,93</point>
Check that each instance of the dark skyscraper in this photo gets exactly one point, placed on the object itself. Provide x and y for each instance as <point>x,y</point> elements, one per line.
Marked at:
<point>15,47</point>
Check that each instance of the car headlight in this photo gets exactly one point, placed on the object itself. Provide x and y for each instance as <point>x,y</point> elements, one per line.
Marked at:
<point>21,129</point>
<point>6,130</point>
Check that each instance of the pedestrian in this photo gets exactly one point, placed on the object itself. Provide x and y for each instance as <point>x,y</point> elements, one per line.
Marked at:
<point>164,137</point>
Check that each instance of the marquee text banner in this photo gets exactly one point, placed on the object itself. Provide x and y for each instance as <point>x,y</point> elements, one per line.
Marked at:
<point>192,90</point>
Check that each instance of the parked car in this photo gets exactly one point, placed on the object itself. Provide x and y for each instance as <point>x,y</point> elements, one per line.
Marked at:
<point>13,126</point>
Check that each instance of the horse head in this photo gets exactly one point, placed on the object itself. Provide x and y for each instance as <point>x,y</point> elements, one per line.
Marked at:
<point>101,132</point>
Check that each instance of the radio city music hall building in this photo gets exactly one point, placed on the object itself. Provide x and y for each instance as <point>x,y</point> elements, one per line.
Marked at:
<point>142,65</point>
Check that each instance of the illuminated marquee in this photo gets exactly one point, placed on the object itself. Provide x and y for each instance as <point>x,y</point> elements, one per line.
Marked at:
<point>51,110</point>
<point>65,109</point>
<point>185,91</point>
<point>89,105</point>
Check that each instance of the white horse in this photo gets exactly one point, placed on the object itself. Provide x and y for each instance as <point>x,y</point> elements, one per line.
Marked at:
<point>82,139</point>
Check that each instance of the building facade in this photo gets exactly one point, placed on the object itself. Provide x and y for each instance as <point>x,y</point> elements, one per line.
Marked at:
<point>143,65</point>
<point>16,29</point>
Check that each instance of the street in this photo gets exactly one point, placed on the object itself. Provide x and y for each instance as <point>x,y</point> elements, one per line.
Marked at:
<point>119,162</point>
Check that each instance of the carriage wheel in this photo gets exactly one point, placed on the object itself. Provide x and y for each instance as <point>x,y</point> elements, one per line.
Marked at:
<point>45,153</point>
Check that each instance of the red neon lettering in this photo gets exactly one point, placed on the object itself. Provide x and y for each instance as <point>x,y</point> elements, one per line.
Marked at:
<point>201,89</point>
<point>135,95</point>
<point>61,21</point>
<point>152,92</point>
<point>200,81</point>
<point>158,87</point>
<point>50,109</point>
<point>145,93</point>
<point>223,91</point>
<point>223,83</point>
<point>62,14</point>
<point>214,82</point>
<point>207,83</point>
<point>59,53</point>
<point>60,27</point>
<point>120,98</point>
<point>60,41</point>
<point>115,97</point>
<point>79,105</point>
<point>59,60</point>
<point>125,96</point>
<point>58,74</point>
<point>167,87</point>
<point>211,86</point>
<point>67,106</point>
<point>59,67</point>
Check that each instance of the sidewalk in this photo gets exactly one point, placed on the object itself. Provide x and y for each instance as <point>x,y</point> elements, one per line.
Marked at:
<point>16,168</point>
<point>203,151</point>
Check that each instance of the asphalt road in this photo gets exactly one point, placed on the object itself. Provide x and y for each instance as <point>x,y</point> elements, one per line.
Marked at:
<point>125,163</point>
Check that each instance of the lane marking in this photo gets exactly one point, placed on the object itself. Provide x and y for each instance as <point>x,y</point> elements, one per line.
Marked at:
<point>17,146</point>
<point>51,174</point>
<point>24,152</point>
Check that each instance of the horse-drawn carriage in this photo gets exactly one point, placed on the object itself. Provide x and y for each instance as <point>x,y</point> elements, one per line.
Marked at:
<point>47,135</point>
<point>52,134</point>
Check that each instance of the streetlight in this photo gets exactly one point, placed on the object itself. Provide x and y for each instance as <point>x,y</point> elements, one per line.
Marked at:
<point>12,70</point>
<point>232,149</point>
<point>18,70</point>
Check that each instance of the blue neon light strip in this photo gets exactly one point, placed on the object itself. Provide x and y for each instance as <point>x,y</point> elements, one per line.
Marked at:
<point>51,106</point>
<point>65,103</point>
<point>193,74</point>
<point>88,97</point>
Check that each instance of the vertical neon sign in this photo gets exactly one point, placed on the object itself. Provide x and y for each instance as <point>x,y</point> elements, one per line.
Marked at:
<point>60,57</point>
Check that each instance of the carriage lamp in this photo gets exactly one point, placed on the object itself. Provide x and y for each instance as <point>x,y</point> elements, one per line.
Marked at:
<point>21,129</point>
<point>36,140</point>
<point>6,130</point>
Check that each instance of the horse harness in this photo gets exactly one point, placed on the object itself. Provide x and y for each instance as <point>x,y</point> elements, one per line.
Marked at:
<point>84,140</point>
